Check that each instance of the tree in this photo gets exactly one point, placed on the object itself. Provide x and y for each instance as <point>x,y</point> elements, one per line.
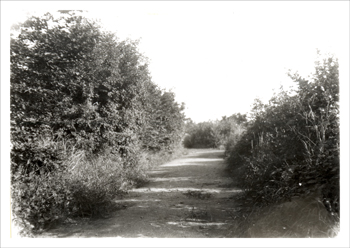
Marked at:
<point>69,75</point>
<point>164,121</point>
<point>79,96</point>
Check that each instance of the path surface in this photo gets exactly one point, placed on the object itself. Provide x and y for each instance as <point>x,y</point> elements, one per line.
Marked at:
<point>186,198</point>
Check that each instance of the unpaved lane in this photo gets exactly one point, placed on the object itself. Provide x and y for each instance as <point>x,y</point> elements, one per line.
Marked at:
<point>187,197</point>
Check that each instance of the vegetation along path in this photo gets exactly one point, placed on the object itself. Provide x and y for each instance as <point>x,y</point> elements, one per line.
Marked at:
<point>187,197</point>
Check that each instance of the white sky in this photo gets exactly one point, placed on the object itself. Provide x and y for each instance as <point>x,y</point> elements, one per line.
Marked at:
<point>217,57</point>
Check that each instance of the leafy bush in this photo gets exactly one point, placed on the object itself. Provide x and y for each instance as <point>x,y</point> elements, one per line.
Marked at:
<point>39,201</point>
<point>83,112</point>
<point>86,189</point>
<point>214,134</point>
<point>200,135</point>
<point>164,122</point>
<point>291,146</point>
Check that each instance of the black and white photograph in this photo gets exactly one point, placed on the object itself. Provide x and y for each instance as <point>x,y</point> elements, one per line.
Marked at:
<point>175,123</point>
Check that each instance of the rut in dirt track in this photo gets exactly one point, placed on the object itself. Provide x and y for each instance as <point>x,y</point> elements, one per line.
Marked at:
<point>185,198</point>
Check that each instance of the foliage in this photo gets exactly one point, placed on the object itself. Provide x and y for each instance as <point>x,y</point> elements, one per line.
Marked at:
<point>84,110</point>
<point>229,129</point>
<point>291,146</point>
<point>95,182</point>
<point>214,134</point>
<point>151,159</point>
<point>200,135</point>
<point>39,201</point>
<point>164,121</point>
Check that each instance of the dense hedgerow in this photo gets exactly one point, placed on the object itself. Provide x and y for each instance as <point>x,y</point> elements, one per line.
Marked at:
<point>214,134</point>
<point>86,119</point>
<point>291,145</point>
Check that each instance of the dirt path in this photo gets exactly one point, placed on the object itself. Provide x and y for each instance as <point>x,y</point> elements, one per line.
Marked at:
<point>186,198</point>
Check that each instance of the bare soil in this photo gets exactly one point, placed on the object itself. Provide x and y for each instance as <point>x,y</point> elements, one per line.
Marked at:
<point>185,198</point>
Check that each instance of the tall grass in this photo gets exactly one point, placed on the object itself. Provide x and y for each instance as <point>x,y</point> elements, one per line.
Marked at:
<point>85,185</point>
<point>291,146</point>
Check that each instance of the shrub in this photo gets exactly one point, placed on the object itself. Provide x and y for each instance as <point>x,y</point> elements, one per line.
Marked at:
<point>86,188</point>
<point>83,111</point>
<point>291,146</point>
<point>201,136</point>
<point>214,134</point>
<point>39,188</point>
<point>39,201</point>
<point>95,182</point>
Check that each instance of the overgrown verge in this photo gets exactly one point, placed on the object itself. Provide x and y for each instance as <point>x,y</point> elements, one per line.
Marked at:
<point>291,145</point>
<point>87,122</point>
